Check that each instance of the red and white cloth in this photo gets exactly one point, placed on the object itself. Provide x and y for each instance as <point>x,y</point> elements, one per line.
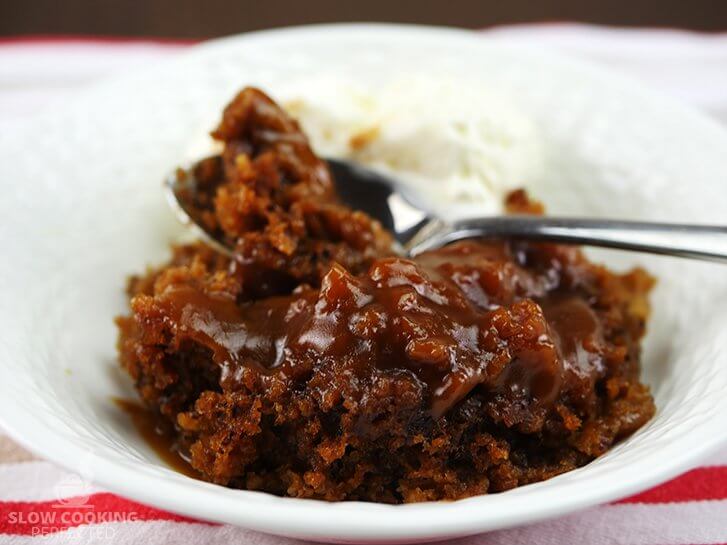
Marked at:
<point>39,502</point>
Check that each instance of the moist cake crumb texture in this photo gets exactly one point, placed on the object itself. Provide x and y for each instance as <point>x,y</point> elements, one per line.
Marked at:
<point>316,363</point>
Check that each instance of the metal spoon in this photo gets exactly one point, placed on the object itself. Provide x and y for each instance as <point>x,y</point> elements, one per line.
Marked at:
<point>417,230</point>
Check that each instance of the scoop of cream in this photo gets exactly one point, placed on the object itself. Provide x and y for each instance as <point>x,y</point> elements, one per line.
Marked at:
<point>456,144</point>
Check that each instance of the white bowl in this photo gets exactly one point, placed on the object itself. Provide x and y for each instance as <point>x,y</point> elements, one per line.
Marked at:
<point>82,207</point>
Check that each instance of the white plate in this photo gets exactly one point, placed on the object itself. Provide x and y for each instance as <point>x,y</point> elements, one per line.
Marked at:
<point>81,207</point>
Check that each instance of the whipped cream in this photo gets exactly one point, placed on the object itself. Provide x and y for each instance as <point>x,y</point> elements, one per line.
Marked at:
<point>458,144</point>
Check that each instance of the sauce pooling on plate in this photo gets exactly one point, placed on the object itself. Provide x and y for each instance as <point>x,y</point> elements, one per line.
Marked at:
<point>158,435</point>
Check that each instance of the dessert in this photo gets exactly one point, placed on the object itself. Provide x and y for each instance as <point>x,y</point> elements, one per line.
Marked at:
<point>317,363</point>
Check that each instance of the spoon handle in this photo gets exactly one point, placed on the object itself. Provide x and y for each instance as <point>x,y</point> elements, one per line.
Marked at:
<point>708,242</point>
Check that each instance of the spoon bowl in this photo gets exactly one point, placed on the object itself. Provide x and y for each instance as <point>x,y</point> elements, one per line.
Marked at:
<point>358,187</point>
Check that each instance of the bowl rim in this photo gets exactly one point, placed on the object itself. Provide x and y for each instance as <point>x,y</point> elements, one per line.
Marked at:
<point>359,520</point>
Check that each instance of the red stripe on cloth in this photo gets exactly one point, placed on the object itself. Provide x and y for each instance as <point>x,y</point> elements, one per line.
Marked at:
<point>704,483</point>
<point>44,39</point>
<point>47,517</point>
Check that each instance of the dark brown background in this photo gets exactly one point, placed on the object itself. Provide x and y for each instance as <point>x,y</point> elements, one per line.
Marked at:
<point>207,18</point>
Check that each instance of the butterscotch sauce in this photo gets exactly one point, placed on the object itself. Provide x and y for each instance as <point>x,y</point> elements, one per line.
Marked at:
<point>422,315</point>
<point>156,435</point>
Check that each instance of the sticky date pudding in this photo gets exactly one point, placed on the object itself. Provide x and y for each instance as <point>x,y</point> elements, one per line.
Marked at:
<point>317,363</point>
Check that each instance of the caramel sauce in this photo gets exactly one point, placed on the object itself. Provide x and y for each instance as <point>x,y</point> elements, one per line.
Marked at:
<point>577,331</point>
<point>159,438</point>
<point>432,316</point>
